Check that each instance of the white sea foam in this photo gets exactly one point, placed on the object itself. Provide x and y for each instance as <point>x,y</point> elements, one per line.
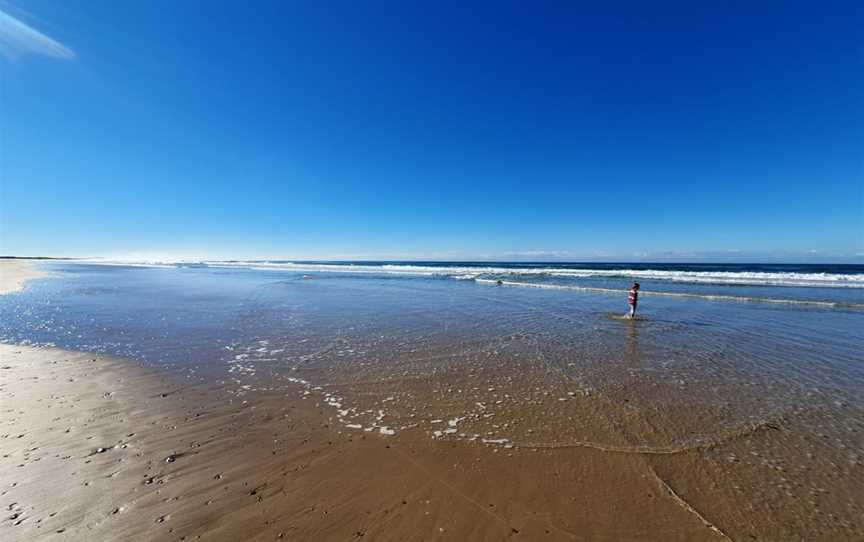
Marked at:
<point>476,272</point>
<point>711,297</point>
<point>757,278</point>
<point>124,263</point>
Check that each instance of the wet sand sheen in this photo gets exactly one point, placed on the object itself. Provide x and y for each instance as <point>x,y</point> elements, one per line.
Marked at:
<point>97,448</point>
<point>14,274</point>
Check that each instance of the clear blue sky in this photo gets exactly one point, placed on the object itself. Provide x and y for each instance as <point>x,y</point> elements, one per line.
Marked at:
<point>432,129</point>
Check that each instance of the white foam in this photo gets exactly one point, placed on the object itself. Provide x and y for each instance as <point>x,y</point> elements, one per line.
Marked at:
<point>762,278</point>
<point>472,273</point>
<point>649,293</point>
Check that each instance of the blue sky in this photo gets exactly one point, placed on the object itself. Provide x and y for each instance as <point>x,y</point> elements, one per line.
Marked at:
<point>432,130</point>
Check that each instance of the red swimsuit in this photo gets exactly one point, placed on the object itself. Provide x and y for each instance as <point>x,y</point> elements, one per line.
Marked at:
<point>633,296</point>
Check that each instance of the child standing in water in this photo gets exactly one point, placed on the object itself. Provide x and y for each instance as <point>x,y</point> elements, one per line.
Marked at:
<point>632,299</point>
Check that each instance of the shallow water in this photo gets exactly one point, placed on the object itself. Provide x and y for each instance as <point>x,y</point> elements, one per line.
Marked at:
<point>757,361</point>
<point>758,385</point>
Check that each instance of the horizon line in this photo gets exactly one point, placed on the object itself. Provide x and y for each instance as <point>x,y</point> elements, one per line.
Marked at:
<point>827,260</point>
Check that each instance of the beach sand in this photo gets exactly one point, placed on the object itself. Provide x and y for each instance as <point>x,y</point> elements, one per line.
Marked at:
<point>15,273</point>
<point>95,448</point>
<point>99,448</point>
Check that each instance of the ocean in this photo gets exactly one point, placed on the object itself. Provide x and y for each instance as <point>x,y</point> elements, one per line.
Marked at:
<point>795,325</point>
<point>738,361</point>
<point>817,284</point>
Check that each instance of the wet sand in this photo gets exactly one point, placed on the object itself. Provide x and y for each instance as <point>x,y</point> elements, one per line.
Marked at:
<point>14,274</point>
<point>95,448</point>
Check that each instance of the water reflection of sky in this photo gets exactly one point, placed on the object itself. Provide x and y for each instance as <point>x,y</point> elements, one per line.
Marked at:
<point>176,317</point>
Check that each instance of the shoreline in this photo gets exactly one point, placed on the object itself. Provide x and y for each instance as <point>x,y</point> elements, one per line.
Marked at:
<point>14,275</point>
<point>99,448</point>
<point>497,446</point>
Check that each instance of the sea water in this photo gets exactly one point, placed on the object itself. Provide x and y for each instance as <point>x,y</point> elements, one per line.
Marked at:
<point>755,366</point>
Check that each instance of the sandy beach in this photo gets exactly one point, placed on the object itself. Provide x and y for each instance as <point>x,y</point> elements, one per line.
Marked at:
<point>96,447</point>
<point>15,273</point>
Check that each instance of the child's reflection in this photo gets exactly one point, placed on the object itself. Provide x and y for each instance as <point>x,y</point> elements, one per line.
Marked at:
<point>632,351</point>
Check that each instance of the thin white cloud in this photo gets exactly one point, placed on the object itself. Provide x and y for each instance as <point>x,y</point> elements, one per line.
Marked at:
<point>18,39</point>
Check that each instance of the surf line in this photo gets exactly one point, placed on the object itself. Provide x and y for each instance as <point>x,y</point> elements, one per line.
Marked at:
<point>686,505</point>
<point>710,297</point>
